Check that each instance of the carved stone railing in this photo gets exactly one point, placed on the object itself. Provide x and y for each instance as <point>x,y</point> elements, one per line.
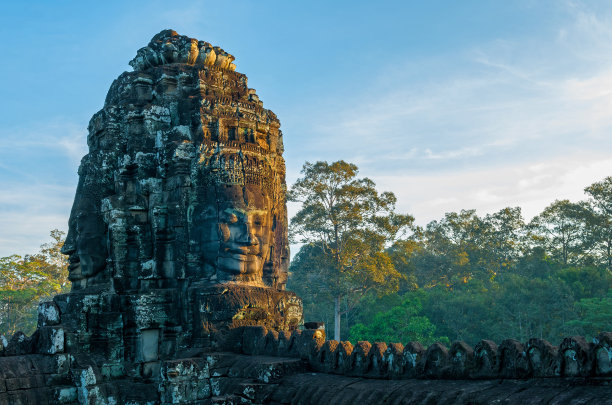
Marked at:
<point>511,359</point>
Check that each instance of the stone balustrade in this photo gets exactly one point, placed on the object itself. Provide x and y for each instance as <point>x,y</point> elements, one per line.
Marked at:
<point>511,359</point>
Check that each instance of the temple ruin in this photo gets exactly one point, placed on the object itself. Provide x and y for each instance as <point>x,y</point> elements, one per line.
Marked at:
<point>178,253</point>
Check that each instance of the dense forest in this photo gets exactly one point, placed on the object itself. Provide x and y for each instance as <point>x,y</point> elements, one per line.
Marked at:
<point>470,277</point>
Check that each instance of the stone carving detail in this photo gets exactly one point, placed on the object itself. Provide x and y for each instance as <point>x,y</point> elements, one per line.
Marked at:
<point>184,180</point>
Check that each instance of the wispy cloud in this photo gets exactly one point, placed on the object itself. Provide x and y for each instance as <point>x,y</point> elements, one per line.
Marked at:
<point>532,187</point>
<point>66,138</point>
<point>38,165</point>
<point>28,212</point>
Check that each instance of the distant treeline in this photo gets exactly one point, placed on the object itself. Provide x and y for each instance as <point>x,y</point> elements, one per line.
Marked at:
<point>470,277</point>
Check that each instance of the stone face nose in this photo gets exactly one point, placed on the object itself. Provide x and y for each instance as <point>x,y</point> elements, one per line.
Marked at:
<point>69,246</point>
<point>246,234</point>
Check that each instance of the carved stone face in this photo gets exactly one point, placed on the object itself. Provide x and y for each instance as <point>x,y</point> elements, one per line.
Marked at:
<point>85,243</point>
<point>236,233</point>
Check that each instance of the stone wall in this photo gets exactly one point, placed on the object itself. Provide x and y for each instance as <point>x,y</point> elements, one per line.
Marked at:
<point>536,358</point>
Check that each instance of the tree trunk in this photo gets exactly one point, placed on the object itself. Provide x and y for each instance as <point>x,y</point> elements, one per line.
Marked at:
<point>337,319</point>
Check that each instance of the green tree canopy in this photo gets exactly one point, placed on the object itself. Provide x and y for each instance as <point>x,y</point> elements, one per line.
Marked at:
<point>561,229</point>
<point>600,198</point>
<point>347,225</point>
<point>24,281</point>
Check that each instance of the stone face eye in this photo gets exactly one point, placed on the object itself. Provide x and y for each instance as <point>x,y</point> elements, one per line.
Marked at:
<point>224,232</point>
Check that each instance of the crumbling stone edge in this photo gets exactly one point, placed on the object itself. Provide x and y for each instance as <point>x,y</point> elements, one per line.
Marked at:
<point>511,359</point>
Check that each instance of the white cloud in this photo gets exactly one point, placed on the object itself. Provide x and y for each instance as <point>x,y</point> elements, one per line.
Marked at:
<point>67,138</point>
<point>29,212</point>
<point>531,187</point>
<point>38,171</point>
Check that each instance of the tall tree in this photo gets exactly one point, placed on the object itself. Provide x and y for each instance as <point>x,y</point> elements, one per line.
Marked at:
<point>561,229</point>
<point>450,250</point>
<point>348,224</point>
<point>600,198</point>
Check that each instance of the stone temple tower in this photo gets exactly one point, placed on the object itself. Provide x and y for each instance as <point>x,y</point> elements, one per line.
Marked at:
<point>178,232</point>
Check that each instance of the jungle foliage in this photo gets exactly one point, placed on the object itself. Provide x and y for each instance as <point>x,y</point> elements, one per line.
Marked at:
<point>345,225</point>
<point>470,277</point>
<point>25,281</point>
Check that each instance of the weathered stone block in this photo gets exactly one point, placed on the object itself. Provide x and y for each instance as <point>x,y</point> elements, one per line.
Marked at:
<point>270,347</point>
<point>50,340</point>
<point>394,360</point>
<point>435,361</point>
<point>19,344</point>
<point>327,360</point>
<point>413,359</point>
<point>309,343</point>
<point>486,360</point>
<point>149,345</point>
<point>253,339</point>
<point>544,360</point>
<point>376,362</point>
<point>360,364</point>
<point>513,362</point>
<point>576,358</point>
<point>48,314</point>
<point>284,338</point>
<point>65,395</point>
<point>345,351</point>
<point>461,357</point>
<point>294,346</point>
<point>602,353</point>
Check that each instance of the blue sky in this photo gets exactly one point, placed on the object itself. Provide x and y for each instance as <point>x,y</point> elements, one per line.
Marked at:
<point>450,105</point>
